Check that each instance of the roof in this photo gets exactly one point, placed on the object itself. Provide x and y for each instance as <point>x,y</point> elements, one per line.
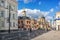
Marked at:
<point>23,17</point>
<point>43,17</point>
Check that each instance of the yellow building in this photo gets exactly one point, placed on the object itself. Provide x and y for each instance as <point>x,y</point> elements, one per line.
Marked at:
<point>57,21</point>
<point>43,23</point>
<point>34,24</point>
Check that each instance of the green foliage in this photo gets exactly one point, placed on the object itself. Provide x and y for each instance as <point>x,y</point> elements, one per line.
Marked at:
<point>40,28</point>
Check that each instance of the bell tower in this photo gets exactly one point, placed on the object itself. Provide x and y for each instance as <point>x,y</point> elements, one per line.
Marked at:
<point>24,13</point>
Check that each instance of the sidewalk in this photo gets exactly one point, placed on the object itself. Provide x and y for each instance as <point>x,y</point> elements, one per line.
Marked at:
<point>52,35</point>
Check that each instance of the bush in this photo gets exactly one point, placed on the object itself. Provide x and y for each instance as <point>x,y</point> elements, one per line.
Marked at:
<point>40,28</point>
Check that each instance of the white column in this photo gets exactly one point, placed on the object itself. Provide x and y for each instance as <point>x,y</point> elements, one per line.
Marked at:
<point>56,27</point>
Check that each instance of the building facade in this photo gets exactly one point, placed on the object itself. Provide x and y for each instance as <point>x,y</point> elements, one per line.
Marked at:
<point>43,23</point>
<point>34,24</point>
<point>57,21</point>
<point>24,22</point>
<point>6,7</point>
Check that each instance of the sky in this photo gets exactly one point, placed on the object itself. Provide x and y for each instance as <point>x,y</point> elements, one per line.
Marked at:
<point>37,8</point>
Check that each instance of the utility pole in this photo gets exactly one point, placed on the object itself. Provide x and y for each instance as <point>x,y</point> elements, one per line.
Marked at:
<point>9,19</point>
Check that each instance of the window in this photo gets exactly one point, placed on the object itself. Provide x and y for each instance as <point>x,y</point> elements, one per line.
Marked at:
<point>16,24</point>
<point>12,7</point>
<point>2,3</point>
<point>1,13</point>
<point>22,26</point>
<point>15,8</point>
<point>7,19</point>
<point>13,16</point>
<point>21,21</point>
<point>1,24</point>
<point>58,16</point>
<point>13,24</point>
<point>7,6</point>
<point>27,22</point>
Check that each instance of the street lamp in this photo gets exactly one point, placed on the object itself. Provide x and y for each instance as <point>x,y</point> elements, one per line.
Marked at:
<point>9,19</point>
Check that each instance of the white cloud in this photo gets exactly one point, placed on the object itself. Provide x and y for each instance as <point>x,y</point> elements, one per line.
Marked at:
<point>27,1</point>
<point>45,13</point>
<point>49,17</point>
<point>20,12</point>
<point>19,0</point>
<point>35,13</point>
<point>51,10</point>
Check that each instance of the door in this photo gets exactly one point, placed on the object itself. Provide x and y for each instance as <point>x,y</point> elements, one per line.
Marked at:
<point>58,27</point>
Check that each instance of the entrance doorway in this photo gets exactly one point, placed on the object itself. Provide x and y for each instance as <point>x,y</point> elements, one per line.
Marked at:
<point>58,27</point>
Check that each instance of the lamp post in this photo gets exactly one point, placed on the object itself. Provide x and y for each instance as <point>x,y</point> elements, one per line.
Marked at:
<point>9,20</point>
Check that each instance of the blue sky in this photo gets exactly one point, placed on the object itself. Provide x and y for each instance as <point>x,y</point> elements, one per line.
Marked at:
<point>47,7</point>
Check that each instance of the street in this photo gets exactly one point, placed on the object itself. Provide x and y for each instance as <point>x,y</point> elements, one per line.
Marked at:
<point>37,33</point>
<point>30,35</point>
<point>33,35</point>
<point>52,35</point>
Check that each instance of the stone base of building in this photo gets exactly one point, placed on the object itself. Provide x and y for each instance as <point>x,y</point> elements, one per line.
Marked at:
<point>8,30</point>
<point>57,28</point>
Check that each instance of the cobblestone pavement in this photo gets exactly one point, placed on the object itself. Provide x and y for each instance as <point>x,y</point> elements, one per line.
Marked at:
<point>52,35</point>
